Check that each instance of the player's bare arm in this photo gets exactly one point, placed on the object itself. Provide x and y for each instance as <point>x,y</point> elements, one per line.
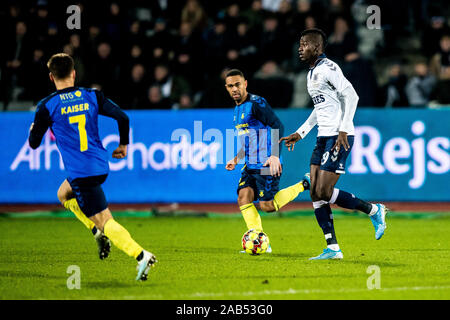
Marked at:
<point>290,140</point>
<point>275,166</point>
<point>341,141</point>
<point>231,164</point>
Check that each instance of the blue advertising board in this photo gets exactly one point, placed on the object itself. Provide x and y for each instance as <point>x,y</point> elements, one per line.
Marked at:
<point>180,156</point>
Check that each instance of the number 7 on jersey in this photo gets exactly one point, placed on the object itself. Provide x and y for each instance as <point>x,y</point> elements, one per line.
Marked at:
<point>81,120</point>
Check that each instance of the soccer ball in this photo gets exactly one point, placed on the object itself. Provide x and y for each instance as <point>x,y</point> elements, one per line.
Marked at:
<point>254,242</point>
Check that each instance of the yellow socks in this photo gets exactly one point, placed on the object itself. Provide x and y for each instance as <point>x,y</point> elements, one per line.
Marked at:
<point>73,206</point>
<point>286,195</point>
<point>121,238</point>
<point>251,216</point>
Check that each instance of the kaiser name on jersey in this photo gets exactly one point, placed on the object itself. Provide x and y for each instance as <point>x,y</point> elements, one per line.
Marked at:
<point>75,108</point>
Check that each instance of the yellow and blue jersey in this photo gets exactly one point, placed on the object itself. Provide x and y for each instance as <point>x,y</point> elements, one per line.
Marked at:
<point>255,121</point>
<point>72,115</point>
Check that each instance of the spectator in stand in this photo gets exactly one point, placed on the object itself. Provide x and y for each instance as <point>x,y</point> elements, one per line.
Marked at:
<point>303,9</point>
<point>440,68</point>
<point>243,49</point>
<point>393,93</point>
<point>432,34</point>
<point>215,95</point>
<point>274,44</point>
<point>38,90</point>
<point>420,86</point>
<point>340,40</point>
<point>172,86</point>
<point>194,13</point>
<point>189,43</point>
<point>360,73</point>
<point>440,62</point>
<point>104,70</point>
<point>115,25</point>
<point>285,16</point>
<point>232,14</point>
<point>271,82</point>
<point>155,99</point>
<point>271,5</point>
<point>135,88</point>
<point>18,53</point>
<point>94,38</point>
<point>80,69</point>
<point>185,102</point>
<point>162,38</point>
<point>216,43</point>
<point>254,15</point>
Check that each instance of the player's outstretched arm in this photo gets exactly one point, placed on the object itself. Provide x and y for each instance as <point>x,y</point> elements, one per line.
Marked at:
<point>290,140</point>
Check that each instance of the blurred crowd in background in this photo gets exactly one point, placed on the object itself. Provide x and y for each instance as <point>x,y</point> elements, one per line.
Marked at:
<point>173,54</point>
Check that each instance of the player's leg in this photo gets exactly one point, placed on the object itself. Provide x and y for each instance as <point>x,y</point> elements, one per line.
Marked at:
<point>249,212</point>
<point>286,195</point>
<point>122,239</point>
<point>320,182</point>
<point>70,195</point>
<point>68,200</point>
<point>376,212</point>
<point>335,163</point>
<point>96,208</point>
<point>246,195</point>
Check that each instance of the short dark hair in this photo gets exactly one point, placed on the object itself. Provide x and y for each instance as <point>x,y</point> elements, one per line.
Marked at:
<point>61,65</point>
<point>316,31</point>
<point>234,72</point>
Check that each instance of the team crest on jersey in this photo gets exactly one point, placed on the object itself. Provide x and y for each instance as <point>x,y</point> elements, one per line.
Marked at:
<point>261,193</point>
<point>78,93</point>
<point>242,117</point>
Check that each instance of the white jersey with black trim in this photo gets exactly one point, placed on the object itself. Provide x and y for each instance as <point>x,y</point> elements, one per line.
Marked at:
<point>325,83</point>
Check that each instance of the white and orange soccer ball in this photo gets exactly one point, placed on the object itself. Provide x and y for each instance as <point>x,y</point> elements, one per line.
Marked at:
<point>255,242</point>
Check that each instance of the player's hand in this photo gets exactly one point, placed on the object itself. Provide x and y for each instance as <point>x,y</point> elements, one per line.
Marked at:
<point>275,166</point>
<point>120,152</point>
<point>290,140</point>
<point>341,141</point>
<point>231,164</point>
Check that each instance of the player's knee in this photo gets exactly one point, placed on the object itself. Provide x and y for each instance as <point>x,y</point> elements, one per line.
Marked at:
<point>313,195</point>
<point>323,193</point>
<point>267,206</point>
<point>61,196</point>
<point>245,196</point>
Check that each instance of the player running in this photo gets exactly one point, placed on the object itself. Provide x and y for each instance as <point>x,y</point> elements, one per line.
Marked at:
<point>71,113</point>
<point>335,103</point>
<point>258,129</point>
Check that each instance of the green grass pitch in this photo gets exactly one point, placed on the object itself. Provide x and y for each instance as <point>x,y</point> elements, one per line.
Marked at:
<point>199,259</point>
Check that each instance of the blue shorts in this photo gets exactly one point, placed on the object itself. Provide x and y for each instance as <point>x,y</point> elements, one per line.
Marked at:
<point>330,160</point>
<point>264,186</point>
<point>89,194</point>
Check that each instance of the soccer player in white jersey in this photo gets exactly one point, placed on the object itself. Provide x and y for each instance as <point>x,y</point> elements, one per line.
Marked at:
<point>335,103</point>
